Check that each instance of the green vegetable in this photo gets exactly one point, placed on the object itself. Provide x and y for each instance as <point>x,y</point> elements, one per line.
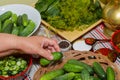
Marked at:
<point>15,30</point>
<point>51,75</point>
<point>11,65</point>
<point>44,62</point>
<point>28,29</point>
<point>5,15</point>
<point>67,76</point>
<point>19,20</point>
<point>46,3</point>
<point>85,75</point>
<point>99,70</point>
<point>78,14</point>
<point>110,73</point>
<point>56,56</point>
<point>86,66</point>
<point>7,26</point>
<point>72,68</point>
<point>14,18</point>
<point>77,76</point>
<point>25,20</point>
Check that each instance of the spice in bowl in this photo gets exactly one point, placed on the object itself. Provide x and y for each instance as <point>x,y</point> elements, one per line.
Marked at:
<point>64,45</point>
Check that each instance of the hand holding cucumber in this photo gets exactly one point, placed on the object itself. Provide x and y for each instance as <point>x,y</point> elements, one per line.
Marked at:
<point>39,45</point>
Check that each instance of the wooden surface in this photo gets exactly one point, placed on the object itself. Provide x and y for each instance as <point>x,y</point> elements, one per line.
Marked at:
<point>71,35</point>
<point>79,55</point>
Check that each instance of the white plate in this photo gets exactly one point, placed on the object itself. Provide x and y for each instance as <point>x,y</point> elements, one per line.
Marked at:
<point>81,46</point>
<point>19,9</point>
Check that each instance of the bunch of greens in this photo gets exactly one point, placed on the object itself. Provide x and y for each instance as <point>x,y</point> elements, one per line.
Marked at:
<point>69,14</point>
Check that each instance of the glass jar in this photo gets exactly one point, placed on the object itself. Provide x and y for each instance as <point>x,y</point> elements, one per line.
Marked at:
<point>111,15</point>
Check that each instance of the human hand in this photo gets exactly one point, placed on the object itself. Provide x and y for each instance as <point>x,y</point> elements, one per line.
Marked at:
<point>33,45</point>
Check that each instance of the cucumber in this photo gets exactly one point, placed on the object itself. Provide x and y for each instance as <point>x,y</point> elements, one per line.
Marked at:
<point>7,26</point>
<point>52,74</point>
<point>56,56</point>
<point>25,20</point>
<point>72,68</point>
<point>77,76</point>
<point>14,18</point>
<point>28,29</point>
<point>94,78</point>
<point>5,16</point>
<point>0,26</point>
<point>85,75</point>
<point>67,76</point>
<point>99,70</point>
<point>110,73</point>
<point>86,66</point>
<point>44,62</point>
<point>19,20</point>
<point>15,30</point>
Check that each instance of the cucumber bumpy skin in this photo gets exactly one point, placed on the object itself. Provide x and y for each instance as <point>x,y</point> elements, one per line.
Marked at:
<point>52,74</point>
<point>5,16</point>
<point>99,70</point>
<point>110,73</point>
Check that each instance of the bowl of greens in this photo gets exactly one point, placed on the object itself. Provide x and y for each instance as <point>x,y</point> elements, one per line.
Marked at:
<point>19,19</point>
<point>15,66</point>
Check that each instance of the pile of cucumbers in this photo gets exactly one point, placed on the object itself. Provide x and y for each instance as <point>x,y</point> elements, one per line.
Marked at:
<point>77,70</point>
<point>12,23</point>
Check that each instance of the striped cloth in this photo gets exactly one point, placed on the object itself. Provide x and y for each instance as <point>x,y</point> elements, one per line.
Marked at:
<point>97,33</point>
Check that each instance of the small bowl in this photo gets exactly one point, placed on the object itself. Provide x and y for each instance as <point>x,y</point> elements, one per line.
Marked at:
<point>20,75</point>
<point>64,45</point>
<point>115,40</point>
<point>80,45</point>
<point>20,9</point>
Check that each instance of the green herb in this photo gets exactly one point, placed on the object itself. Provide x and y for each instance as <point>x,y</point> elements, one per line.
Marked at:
<point>71,14</point>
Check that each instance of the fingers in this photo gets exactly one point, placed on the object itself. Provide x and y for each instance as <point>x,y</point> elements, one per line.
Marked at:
<point>46,54</point>
<point>54,44</point>
<point>5,53</point>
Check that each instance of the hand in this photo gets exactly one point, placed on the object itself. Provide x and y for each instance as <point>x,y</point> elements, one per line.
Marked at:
<point>31,45</point>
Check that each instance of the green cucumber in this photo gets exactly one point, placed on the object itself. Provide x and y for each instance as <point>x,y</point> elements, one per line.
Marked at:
<point>28,29</point>
<point>96,78</point>
<point>86,66</point>
<point>5,16</point>
<point>25,19</point>
<point>15,30</point>
<point>110,73</point>
<point>44,62</point>
<point>56,57</point>
<point>77,76</point>
<point>19,20</point>
<point>67,76</point>
<point>7,26</point>
<point>85,75</point>
<point>52,74</point>
<point>99,70</point>
<point>72,68</point>
<point>14,18</point>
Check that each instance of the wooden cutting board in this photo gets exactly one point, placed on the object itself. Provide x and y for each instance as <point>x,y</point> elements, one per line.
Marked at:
<point>71,35</point>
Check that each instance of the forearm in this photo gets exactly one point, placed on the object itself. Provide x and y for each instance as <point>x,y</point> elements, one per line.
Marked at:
<point>8,41</point>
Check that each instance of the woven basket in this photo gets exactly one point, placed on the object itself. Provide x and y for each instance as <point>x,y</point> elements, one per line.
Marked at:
<point>86,56</point>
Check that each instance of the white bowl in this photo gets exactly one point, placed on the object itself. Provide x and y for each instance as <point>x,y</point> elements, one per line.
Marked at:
<point>20,9</point>
<point>80,45</point>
